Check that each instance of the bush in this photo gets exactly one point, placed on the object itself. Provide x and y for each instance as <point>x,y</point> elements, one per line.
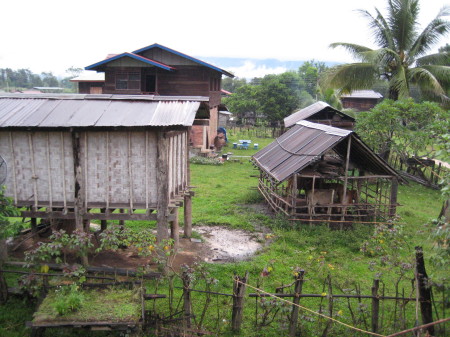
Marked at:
<point>205,161</point>
<point>68,299</point>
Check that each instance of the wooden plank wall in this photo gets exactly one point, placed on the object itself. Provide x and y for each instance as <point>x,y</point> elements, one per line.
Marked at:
<point>118,167</point>
<point>177,154</point>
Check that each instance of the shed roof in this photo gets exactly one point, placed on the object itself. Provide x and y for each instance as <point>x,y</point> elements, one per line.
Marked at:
<point>203,63</point>
<point>56,111</point>
<point>306,142</point>
<point>98,66</point>
<point>311,110</point>
<point>363,94</point>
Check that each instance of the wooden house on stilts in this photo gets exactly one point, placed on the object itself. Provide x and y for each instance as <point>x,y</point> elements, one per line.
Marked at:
<point>81,157</point>
<point>317,173</point>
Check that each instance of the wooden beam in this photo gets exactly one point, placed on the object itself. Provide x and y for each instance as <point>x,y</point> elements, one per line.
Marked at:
<point>188,195</point>
<point>162,183</point>
<point>201,122</point>
<point>93,216</point>
<point>79,186</point>
<point>175,228</point>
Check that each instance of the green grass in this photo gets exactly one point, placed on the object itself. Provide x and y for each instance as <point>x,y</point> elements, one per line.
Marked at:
<point>226,195</point>
<point>115,304</point>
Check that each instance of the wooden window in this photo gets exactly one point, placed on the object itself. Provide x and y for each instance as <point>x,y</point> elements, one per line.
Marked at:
<point>126,81</point>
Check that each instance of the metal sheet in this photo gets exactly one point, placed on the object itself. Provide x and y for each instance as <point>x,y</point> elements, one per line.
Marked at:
<point>305,143</point>
<point>363,94</point>
<point>98,111</point>
<point>309,111</point>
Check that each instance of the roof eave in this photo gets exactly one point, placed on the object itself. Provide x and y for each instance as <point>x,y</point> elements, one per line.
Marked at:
<point>99,65</point>
<point>193,59</point>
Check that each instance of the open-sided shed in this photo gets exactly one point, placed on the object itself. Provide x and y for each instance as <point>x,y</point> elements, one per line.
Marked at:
<point>69,156</point>
<point>323,113</point>
<point>318,173</point>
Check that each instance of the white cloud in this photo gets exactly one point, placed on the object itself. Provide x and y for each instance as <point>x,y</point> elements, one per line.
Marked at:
<point>250,70</point>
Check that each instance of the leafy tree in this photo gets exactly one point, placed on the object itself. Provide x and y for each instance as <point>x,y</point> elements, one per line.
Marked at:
<point>279,95</point>
<point>49,80</point>
<point>232,84</point>
<point>408,128</point>
<point>310,72</point>
<point>243,100</point>
<point>401,59</point>
<point>331,97</point>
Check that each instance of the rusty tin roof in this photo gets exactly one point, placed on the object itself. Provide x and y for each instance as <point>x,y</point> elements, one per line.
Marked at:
<point>306,142</point>
<point>59,110</point>
<point>311,110</point>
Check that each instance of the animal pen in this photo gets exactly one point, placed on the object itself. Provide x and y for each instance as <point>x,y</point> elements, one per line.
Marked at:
<point>84,157</point>
<point>316,173</point>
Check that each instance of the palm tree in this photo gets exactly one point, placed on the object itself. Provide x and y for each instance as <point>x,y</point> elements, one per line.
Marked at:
<point>401,58</point>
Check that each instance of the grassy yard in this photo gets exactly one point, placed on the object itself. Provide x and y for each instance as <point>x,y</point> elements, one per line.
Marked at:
<point>226,195</point>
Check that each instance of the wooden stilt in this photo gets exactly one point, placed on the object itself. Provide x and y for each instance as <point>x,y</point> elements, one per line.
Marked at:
<point>162,183</point>
<point>187,216</point>
<point>175,228</point>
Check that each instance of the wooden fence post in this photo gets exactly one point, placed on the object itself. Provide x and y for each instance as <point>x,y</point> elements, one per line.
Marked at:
<point>375,305</point>
<point>238,301</point>
<point>426,308</point>
<point>186,299</point>
<point>298,290</point>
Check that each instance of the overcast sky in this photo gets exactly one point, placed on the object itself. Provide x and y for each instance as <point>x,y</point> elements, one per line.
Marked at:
<point>53,35</point>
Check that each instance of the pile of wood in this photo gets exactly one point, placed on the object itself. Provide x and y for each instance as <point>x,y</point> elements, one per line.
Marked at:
<point>331,166</point>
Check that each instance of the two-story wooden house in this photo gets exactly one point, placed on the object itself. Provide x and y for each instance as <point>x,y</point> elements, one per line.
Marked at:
<point>158,70</point>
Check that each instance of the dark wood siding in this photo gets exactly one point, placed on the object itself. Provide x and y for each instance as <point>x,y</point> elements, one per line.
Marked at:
<point>127,74</point>
<point>359,104</point>
<point>86,87</point>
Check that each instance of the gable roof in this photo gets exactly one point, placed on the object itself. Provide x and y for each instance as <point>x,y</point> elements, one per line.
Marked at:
<point>363,94</point>
<point>66,111</point>
<point>97,66</point>
<point>311,110</point>
<point>193,59</point>
<point>306,142</point>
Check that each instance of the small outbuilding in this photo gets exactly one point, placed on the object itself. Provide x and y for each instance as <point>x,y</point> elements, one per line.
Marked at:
<point>317,173</point>
<point>82,157</point>
<point>323,113</point>
<point>361,100</point>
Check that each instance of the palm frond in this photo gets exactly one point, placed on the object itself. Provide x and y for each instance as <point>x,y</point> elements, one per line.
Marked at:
<point>440,73</point>
<point>399,83</point>
<point>430,79</point>
<point>441,59</point>
<point>402,22</point>
<point>357,51</point>
<point>435,30</point>
<point>380,28</point>
<point>349,77</point>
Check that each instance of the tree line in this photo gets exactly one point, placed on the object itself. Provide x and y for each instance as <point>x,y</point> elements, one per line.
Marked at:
<point>276,96</point>
<point>13,80</point>
<point>400,68</point>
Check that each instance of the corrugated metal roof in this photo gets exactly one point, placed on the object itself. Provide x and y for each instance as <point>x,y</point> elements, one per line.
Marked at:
<point>306,142</point>
<point>363,94</point>
<point>96,110</point>
<point>309,111</point>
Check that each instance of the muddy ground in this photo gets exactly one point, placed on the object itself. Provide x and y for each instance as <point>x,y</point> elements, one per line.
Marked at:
<point>217,244</point>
